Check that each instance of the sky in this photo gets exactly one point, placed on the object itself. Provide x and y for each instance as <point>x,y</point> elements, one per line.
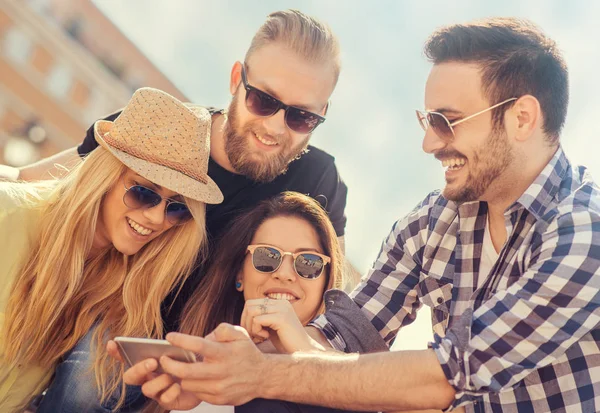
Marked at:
<point>371,128</point>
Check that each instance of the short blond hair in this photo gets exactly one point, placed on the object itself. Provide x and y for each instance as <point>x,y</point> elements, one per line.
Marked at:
<point>303,34</point>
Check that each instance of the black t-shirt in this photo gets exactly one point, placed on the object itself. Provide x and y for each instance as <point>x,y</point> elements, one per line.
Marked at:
<point>313,174</point>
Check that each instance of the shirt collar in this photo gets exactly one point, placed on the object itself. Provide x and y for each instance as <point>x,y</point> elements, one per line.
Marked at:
<point>540,194</point>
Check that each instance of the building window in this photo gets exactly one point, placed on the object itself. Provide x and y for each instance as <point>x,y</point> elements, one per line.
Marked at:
<point>59,81</point>
<point>17,46</point>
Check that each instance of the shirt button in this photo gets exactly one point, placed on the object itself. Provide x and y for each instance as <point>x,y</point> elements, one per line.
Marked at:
<point>440,300</point>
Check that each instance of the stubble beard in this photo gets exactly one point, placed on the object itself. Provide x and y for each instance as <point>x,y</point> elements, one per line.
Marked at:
<point>257,166</point>
<point>486,166</point>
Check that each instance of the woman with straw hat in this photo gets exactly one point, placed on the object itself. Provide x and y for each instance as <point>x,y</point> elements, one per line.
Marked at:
<point>100,249</point>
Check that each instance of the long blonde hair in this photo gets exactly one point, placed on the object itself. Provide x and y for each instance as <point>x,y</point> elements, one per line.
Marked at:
<point>60,294</point>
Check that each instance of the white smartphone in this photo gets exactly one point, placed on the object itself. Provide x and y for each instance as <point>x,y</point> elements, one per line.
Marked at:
<point>133,350</point>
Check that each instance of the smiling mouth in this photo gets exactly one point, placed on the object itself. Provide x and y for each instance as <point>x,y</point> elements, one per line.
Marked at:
<point>138,228</point>
<point>453,164</point>
<point>281,296</point>
<point>265,141</point>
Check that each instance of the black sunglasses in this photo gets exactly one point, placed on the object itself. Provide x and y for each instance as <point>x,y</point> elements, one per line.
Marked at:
<point>138,196</point>
<point>260,103</point>
<point>307,264</point>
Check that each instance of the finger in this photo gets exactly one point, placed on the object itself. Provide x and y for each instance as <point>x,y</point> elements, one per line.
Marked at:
<point>226,332</point>
<point>191,371</point>
<point>257,329</point>
<point>138,374</point>
<point>197,345</point>
<point>244,316</point>
<point>171,394</point>
<point>113,350</point>
<point>155,387</point>
<point>247,315</point>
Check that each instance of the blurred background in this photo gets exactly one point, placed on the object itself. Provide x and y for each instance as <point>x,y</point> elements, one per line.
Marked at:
<point>66,63</point>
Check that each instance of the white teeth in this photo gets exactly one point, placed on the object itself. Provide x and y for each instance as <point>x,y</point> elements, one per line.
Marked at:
<point>453,163</point>
<point>265,141</point>
<point>281,296</point>
<point>138,228</point>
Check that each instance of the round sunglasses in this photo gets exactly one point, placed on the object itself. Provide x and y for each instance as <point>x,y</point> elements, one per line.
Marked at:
<point>138,196</point>
<point>262,104</point>
<point>307,264</point>
<point>442,127</point>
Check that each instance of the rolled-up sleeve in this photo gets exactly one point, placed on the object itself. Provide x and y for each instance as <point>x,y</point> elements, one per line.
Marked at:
<point>387,296</point>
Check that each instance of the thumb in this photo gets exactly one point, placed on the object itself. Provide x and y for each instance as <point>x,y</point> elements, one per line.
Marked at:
<point>226,332</point>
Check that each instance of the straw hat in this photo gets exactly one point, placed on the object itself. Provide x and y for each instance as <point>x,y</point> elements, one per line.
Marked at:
<point>164,141</point>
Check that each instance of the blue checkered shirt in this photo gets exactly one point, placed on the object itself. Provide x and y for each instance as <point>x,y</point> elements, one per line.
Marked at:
<point>525,339</point>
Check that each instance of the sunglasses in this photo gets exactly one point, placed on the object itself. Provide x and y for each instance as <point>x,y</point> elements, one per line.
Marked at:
<point>138,196</point>
<point>307,264</point>
<point>260,103</point>
<point>442,127</point>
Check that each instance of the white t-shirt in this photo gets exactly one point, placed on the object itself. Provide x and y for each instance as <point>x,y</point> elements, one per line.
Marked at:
<point>489,256</point>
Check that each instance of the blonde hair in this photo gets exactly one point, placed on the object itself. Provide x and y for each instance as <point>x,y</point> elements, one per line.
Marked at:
<point>303,34</point>
<point>60,293</point>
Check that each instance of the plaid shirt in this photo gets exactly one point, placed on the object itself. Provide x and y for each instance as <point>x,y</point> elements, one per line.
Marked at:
<point>526,340</point>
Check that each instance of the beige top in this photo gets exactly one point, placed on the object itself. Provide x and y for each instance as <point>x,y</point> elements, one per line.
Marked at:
<point>18,224</point>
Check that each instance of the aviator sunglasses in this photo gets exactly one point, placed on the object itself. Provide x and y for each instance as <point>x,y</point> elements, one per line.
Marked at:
<point>262,104</point>
<point>307,264</point>
<point>442,127</point>
<point>138,196</point>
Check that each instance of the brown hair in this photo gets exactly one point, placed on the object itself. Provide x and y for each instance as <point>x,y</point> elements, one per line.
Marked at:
<point>305,35</point>
<point>216,300</point>
<point>516,59</point>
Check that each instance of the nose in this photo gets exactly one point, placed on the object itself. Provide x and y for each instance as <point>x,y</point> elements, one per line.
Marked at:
<point>156,214</point>
<point>432,142</point>
<point>286,271</point>
<point>275,124</point>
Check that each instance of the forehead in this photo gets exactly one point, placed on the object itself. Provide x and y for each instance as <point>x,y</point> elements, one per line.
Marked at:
<point>279,71</point>
<point>287,233</point>
<point>454,85</point>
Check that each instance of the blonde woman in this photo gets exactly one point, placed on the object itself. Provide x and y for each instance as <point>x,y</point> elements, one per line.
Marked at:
<point>93,255</point>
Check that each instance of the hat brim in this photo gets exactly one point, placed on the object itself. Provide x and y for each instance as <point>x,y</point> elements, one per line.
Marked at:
<point>166,177</point>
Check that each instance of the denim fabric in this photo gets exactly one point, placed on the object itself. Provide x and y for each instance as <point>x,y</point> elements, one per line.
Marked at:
<point>73,389</point>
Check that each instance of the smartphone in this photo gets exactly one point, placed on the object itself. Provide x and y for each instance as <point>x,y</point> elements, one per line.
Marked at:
<point>133,350</point>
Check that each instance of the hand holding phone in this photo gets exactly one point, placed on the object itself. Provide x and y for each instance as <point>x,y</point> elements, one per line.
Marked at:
<point>133,350</point>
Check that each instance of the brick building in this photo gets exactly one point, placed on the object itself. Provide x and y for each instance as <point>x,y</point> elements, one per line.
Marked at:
<point>63,64</point>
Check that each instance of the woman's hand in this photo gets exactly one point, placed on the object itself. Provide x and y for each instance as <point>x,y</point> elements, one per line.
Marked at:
<point>162,388</point>
<point>276,320</point>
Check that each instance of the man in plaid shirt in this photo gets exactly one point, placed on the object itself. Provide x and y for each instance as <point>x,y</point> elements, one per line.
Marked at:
<point>507,258</point>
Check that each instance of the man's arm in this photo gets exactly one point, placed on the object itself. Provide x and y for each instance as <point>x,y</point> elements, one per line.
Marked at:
<point>52,167</point>
<point>235,371</point>
<point>404,380</point>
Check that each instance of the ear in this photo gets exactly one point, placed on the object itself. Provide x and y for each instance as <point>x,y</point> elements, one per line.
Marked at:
<point>236,77</point>
<point>526,116</point>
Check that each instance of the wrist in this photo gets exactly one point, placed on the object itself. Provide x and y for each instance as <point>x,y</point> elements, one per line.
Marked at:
<point>272,377</point>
